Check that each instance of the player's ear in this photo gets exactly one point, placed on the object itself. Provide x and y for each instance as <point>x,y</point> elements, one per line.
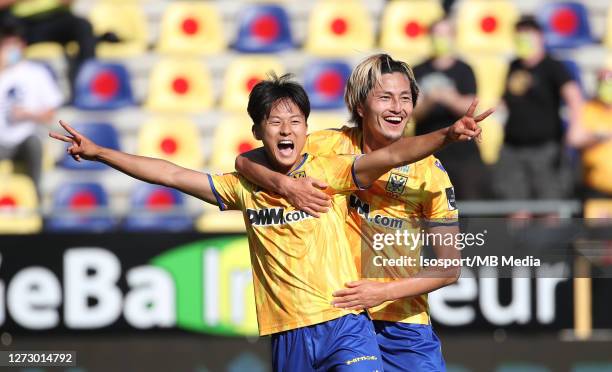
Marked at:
<point>360,110</point>
<point>256,129</point>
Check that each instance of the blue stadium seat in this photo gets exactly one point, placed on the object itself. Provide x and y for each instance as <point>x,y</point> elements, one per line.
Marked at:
<point>264,28</point>
<point>103,134</point>
<point>565,24</point>
<point>80,207</point>
<point>102,86</point>
<point>157,208</point>
<point>324,82</point>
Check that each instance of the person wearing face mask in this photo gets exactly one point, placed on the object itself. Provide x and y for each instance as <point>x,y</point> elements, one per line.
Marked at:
<point>530,164</point>
<point>594,138</point>
<point>449,86</point>
<point>29,97</point>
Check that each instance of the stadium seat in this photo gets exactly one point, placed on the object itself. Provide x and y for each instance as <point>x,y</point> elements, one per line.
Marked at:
<point>233,136</point>
<point>6,167</point>
<point>45,51</point>
<point>177,85</point>
<point>405,28</point>
<point>565,24</point>
<point>490,72</point>
<point>326,120</point>
<point>242,75</point>
<point>264,28</point>
<point>127,21</point>
<point>192,28</point>
<point>608,38</point>
<point>598,208</point>
<point>324,82</point>
<point>174,139</point>
<point>80,207</point>
<point>103,86</point>
<point>486,26</point>
<point>103,134</point>
<point>157,208</point>
<point>338,28</point>
<point>213,220</point>
<point>18,205</point>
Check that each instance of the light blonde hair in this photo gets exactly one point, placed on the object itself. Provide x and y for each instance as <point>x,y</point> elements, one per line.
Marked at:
<point>367,74</point>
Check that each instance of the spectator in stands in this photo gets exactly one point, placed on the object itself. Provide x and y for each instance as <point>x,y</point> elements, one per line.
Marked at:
<point>28,98</point>
<point>530,164</point>
<point>449,87</point>
<point>594,137</point>
<point>53,21</point>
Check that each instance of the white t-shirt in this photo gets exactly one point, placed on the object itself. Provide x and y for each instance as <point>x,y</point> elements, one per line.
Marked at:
<point>31,86</point>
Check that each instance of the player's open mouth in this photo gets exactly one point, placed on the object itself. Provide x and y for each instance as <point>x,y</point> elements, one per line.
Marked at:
<point>285,147</point>
<point>393,120</point>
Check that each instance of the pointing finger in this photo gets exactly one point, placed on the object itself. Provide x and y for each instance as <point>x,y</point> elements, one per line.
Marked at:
<point>484,115</point>
<point>470,111</point>
<point>59,137</point>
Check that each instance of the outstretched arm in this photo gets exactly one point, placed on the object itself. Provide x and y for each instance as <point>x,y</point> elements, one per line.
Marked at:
<point>303,193</point>
<point>147,169</point>
<point>406,150</point>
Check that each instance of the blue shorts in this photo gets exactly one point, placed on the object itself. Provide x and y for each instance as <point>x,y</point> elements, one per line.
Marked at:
<point>409,347</point>
<point>347,344</point>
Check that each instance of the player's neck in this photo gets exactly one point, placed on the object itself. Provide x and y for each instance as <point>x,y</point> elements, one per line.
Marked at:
<point>369,144</point>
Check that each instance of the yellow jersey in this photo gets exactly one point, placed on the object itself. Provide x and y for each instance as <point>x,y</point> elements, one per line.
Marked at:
<point>399,200</point>
<point>597,117</point>
<point>297,260</point>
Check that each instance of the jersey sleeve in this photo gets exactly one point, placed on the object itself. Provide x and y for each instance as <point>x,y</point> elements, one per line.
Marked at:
<point>322,143</point>
<point>338,172</point>
<point>228,190</point>
<point>439,204</point>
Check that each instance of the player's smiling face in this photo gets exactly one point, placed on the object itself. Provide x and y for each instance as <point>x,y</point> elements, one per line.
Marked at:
<point>387,108</point>
<point>283,134</point>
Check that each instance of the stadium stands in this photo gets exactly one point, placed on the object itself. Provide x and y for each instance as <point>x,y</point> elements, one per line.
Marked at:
<point>18,205</point>
<point>232,137</point>
<point>103,86</point>
<point>242,75</point>
<point>176,139</point>
<point>180,85</point>
<point>324,82</point>
<point>264,28</point>
<point>339,28</point>
<point>80,207</point>
<point>608,36</point>
<point>405,25</point>
<point>157,208</point>
<point>486,26</point>
<point>127,21</point>
<point>103,134</point>
<point>191,28</point>
<point>565,24</point>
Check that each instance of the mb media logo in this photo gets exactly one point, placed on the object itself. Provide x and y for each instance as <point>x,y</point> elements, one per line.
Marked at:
<point>214,288</point>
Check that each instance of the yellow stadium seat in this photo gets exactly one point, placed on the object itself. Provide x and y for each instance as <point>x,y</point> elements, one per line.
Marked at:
<point>215,221</point>
<point>6,167</point>
<point>608,37</point>
<point>174,139</point>
<point>45,51</point>
<point>127,21</point>
<point>405,28</point>
<point>338,28</point>
<point>191,28</point>
<point>18,205</point>
<point>486,26</point>
<point>323,120</point>
<point>490,72</point>
<point>232,137</point>
<point>242,75</point>
<point>180,85</point>
<point>492,139</point>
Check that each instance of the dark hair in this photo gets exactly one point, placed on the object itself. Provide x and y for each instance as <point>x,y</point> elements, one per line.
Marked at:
<point>268,92</point>
<point>11,28</point>
<point>528,22</point>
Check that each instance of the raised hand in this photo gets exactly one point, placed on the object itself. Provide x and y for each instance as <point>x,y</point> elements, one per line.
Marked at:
<point>466,128</point>
<point>80,147</point>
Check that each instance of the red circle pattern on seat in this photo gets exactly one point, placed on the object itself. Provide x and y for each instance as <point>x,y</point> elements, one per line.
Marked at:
<point>266,28</point>
<point>168,145</point>
<point>564,21</point>
<point>329,83</point>
<point>339,26</point>
<point>190,26</point>
<point>105,84</point>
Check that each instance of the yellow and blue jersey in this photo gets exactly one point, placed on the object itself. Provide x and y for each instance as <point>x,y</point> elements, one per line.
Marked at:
<point>399,200</point>
<point>297,260</point>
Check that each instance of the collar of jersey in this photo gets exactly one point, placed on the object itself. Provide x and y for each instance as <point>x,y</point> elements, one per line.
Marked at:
<point>299,165</point>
